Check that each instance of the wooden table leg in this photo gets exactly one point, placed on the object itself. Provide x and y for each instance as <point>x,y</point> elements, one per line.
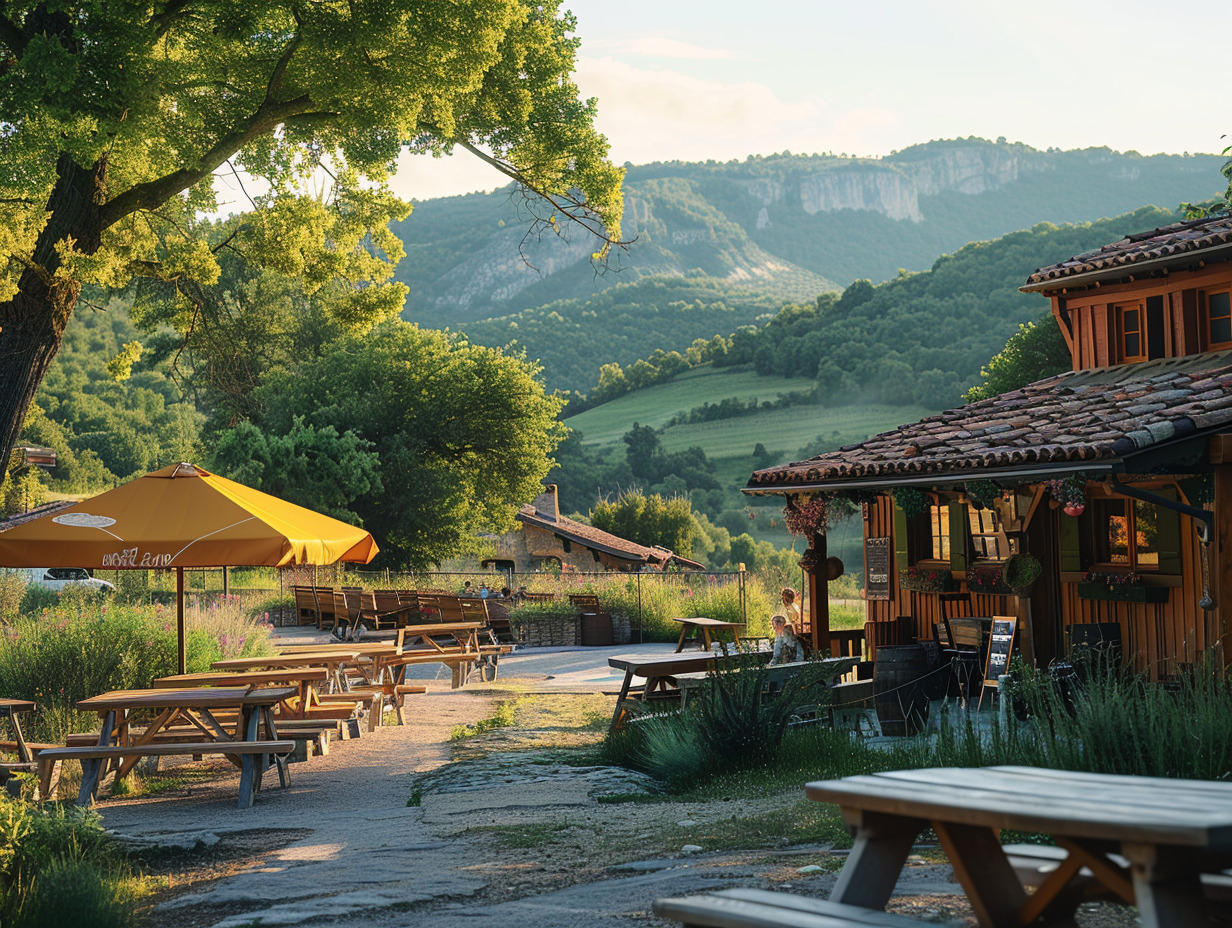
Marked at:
<point>881,847</point>
<point>992,886</point>
<point>23,750</point>
<point>618,715</point>
<point>684,628</point>
<point>1167,887</point>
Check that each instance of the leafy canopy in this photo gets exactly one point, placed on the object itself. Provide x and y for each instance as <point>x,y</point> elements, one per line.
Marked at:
<point>460,435</point>
<point>162,95</point>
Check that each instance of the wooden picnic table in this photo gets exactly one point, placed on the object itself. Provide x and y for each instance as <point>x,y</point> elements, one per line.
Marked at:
<point>660,673</point>
<point>1170,832</point>
<point>465,634</point>
<point>10,709</point>
<point>334,660</point>
<point>776,674</point>
<point>304,679</point>
<point>706,627</point>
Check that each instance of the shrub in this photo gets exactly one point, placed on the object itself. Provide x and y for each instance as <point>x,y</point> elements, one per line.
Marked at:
<point>73,892</point>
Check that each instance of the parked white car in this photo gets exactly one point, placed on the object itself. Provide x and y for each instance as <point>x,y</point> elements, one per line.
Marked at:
<point>57,578</point>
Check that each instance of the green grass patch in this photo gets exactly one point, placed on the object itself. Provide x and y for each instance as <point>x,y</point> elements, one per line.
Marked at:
<point>528,835</point>
<point>502,717</point>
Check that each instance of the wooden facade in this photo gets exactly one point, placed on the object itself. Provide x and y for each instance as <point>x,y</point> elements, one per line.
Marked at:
<point>1128,549</point>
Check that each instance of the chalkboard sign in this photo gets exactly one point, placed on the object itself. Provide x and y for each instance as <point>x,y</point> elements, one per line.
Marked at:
<point>999,647</point>
<point>877,568</point>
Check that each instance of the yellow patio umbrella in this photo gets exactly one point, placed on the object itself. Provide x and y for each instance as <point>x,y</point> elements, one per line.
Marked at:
<point>183,516</point>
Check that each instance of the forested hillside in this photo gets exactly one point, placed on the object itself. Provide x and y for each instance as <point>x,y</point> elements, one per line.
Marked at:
<point>726,242</point>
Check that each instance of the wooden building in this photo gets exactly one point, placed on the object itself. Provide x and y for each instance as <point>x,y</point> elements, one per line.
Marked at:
<point>546,540</point>
<point>1116,475</point>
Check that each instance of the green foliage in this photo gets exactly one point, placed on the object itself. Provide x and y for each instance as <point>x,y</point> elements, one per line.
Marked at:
<point>649,520</point>
<point>462,433</point>
<point>315,468</point>
<point>84,646</point>
<point>1035,351</point>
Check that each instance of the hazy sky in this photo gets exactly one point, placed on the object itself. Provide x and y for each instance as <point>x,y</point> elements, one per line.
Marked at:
<point>699,79</point>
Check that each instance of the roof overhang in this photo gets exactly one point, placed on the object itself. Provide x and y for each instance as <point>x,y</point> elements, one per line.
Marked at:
<point>949,478</point>
<point>1133,269</point>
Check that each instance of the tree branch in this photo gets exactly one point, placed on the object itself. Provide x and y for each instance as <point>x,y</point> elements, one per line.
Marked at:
<point>12,36</point>
<point>163,21</point>
<point>571,207</point>
<point>271,113</point>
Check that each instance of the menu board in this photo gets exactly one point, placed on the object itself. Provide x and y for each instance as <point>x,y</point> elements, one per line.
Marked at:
<point>999,646</point>
<point>877,568</point>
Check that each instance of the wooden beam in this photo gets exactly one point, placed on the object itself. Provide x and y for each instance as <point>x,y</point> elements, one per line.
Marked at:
<point>819,596</point>
<point>1220,449</point>
<point>1220,554</point>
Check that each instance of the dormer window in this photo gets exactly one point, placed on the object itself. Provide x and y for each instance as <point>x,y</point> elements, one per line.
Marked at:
<point>1131,331</point>
<point>1218,320</point>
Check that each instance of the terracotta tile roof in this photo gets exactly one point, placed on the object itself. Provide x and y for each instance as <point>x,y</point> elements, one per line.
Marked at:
<point>1178,241</point>
<point>1102,414</point>
<point>604,542</point>
<point>37,513</point>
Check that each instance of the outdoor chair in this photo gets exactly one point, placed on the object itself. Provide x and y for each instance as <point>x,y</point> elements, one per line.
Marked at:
<point>306,609</point>
<point>965,639</point>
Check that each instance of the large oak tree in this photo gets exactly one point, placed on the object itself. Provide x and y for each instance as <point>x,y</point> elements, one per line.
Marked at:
<point>115,115</point>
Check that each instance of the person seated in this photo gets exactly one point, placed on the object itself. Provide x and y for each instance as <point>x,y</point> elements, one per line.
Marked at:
<point>787,647</point>
<point>791,608</point>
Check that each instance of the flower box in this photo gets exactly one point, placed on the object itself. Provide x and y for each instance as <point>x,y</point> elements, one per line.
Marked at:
<point>927,580</point>
<point>1123,592</point>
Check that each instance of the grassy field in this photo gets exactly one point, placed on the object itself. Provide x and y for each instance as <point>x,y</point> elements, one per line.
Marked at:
<point>653,406</point>
<point>785,431</point>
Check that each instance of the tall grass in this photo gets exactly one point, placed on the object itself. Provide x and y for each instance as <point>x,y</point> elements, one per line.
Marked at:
<point>85,645</point>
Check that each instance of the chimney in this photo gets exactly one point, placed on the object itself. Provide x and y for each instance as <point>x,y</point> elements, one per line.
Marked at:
<point>547,504</point>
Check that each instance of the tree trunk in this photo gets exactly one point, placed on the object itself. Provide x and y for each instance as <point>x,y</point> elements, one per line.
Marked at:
<point>32,322</point>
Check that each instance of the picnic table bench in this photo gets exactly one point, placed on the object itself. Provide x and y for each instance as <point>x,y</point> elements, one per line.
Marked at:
<point>1150,841</point>
<point>776,674</point>
<point>758,908</point>
<point>660,675</point>
<point>250,745</point>
<point>706,627</point>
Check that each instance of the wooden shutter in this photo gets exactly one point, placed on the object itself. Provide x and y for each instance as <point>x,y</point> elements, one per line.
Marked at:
<point>1168,534</point>
<point>900,540</point>
<point>1070,545</point>
<point>958,535</point>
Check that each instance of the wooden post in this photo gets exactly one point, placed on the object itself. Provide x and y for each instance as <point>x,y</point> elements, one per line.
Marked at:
<point>819,595</point>
<point>1026,632</point>
<point>1221,564</point>
<point>179,614</point>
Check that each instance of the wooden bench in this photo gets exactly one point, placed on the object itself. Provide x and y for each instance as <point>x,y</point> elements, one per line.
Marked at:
<point>757,908</point>
<point>1034,863</point>
<point>314,734</point>
<point>92,763</point>
<point>379,693</point>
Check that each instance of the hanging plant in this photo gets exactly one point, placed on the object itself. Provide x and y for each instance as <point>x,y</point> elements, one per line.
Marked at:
<point>1070,492</point>
<point>982,493</point>
<point>1020,573</point>
<point>911,501</point>
<point>805,517</point>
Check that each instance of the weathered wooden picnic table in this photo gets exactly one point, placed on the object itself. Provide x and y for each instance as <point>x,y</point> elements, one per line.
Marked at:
<point>334,659</point>
<point>120,741</point>
<point>707,627</point>
<point>304,679</point>
<point>10,709</point>
<point>827,669</point>
<point>660,673</point>
<point>1170,832</point>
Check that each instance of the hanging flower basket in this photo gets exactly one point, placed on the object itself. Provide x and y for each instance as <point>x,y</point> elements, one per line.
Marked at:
<point>1021,572</point>
<point>927,580</point>
<point>1122,588</point>
<point>805,517</point>
<point>1070,493</point>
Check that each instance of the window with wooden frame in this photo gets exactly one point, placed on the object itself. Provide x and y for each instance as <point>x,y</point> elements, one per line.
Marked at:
<point>988,540</point>
<point>1131,331</point>
<point>1219,320</point>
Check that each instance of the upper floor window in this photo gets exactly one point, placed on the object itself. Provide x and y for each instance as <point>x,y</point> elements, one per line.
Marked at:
<point>987,539</point>
<point>1131,331</point>
<point>1218,320</point>
<point>939,519</point>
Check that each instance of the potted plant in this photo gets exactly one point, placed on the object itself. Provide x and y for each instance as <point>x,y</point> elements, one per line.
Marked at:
<point>1021,572</point>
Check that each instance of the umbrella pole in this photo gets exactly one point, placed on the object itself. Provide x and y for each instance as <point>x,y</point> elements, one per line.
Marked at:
<point>179,614</point>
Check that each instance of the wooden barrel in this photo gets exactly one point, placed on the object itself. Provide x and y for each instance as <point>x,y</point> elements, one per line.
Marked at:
<point>898,689</point>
